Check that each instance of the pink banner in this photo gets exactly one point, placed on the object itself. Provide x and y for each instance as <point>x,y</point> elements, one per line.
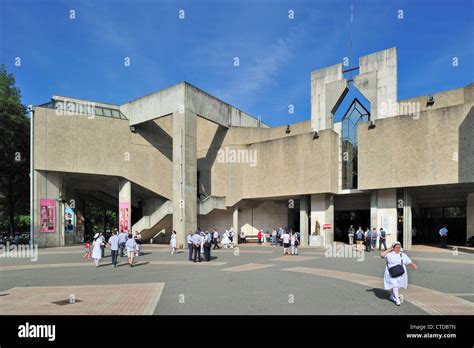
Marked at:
<point>47,215</point>
<point>124,217</point>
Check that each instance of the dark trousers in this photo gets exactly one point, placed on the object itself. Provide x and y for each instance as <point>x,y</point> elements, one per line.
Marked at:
<point>190,248</point>
<point>384,242</point>
<point>216,246</point>
<point>367,245</point>
<point>374,243</point>
<point>103,251</point>
<point>122,248</point>
<point>207,253</point>
<point>444,241</point>
<point>197,252</point>
<point>114,256</point>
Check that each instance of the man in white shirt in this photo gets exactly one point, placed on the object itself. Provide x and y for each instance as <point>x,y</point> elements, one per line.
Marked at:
<point>286,242</point>
<point>131,245</point>
<point>122,240</point>
<point>215,238</point>
<point>196,239</point>
<point>274,237</point>
<point>114,245</point>
<point>190,245</point>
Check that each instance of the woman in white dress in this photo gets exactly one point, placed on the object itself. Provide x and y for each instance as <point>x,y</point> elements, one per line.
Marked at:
<point>173,242</point>
<point>97,251</point>
<point>225,239</point>
<point>395,257</point>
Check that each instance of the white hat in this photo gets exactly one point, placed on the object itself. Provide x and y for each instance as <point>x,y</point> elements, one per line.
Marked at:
<point>96,235</point>
<point>395,243</point>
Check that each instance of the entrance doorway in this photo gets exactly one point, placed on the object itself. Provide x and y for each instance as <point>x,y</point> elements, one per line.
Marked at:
<point>431,220</point>
<point>344,219</point>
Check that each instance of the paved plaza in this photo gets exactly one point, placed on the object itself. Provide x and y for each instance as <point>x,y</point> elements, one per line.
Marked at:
<point>254,280</point>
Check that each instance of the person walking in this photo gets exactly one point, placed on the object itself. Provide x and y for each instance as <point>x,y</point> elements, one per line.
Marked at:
<point>97,250</point>
<point>131,246</point>
<point>138,243</point>
<point>173,243</point>
<point>359,236</point>
<point>274,236</point>
<point>87,250</point>
<point>374,238</point>
<point>350,233</point>
<point>294,244</point>
<point>189,239</point>
<point>259,236</point>
<point>286,242</point>
<point>395,275</point>
<point>443,232</point>
<point>383,239</point>
<point>207,246</point>
<point>368,239</point>
<point>114,246</point>
<point>102,238</point>
<point>122,240</point>
<point>196,239</point>
<point>215,239</point>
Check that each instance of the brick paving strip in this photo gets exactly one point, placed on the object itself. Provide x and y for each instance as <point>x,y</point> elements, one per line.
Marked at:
<point>91,265</point>
<point>431,301</point>
<point>247,267</point>
<point>119,299</point>
<point>296,258</point>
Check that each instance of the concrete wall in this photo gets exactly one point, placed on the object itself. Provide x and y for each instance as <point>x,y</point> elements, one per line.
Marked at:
<point>434,147</point>
<point>101,145</point>
<point>470,215</point>
<point>266,216</point>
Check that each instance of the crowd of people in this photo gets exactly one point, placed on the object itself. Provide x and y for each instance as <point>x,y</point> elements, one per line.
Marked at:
<point>367,238</point>
<point>120,244</point>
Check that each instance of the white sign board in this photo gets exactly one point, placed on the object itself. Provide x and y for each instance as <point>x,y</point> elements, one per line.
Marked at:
<point>386,224</point>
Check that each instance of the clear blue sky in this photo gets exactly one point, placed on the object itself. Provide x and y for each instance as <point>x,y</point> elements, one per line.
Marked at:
<point>84,57</point>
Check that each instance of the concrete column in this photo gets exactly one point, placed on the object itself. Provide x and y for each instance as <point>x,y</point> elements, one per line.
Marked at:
<point>470,215</point>
<point>184,174</point>
<point>125,197</point>
<point>304,219</point>
<point>235,225</point>
<point>407,219</point>
<point>48,185</point>
<point>322,212</point>
<point>384,207</point>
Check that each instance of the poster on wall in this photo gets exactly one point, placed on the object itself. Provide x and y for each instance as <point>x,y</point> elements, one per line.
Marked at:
<point>386,224</point>
<point>124,217</point>
<point>69,220</point>
<point>47,215</point>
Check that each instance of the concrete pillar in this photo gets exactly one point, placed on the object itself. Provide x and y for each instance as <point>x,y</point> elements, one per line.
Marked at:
<point>184,174</point>
<point>384,207</point>
<point>407,219</point>
<point>470,215</point>
<point>322,212</point>
<point>235,224</point>
<point>304,219</point>
<point>125,201</point>
<point>48,185</point>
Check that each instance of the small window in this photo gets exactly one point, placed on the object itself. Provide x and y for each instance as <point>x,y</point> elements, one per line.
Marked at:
<point>107,113</point>
<point>98,111</point>
<point>455,212</point>
<point>115,114</point>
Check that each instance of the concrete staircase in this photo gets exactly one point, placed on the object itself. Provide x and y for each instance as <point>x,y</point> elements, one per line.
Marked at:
<point>160,219</point>
<point>208,204</point>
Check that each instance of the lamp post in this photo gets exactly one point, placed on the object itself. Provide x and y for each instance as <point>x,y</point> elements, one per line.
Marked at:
<point>31,111</point>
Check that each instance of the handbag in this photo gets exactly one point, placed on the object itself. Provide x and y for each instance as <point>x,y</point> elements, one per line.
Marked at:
<point>398,270</point>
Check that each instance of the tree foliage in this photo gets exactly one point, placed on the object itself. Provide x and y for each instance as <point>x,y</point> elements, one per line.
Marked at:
<point>14,153</point>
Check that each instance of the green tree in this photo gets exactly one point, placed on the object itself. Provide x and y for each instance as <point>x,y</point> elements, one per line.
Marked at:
<point>14,152</point>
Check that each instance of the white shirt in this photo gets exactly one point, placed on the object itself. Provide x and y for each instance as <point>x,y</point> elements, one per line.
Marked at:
<point>122,237</point>
<point>274,233</point>
<point>189,239</point>
<point>196,239</point>
<point>131,244</point>
<point>114,242</point>
<point>286,238</point>
<point>216,235</point>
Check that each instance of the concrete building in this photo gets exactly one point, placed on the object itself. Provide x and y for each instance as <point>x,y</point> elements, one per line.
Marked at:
<point>180,159</point>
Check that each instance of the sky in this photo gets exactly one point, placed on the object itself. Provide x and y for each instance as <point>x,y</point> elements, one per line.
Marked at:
<point>85,56</point>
